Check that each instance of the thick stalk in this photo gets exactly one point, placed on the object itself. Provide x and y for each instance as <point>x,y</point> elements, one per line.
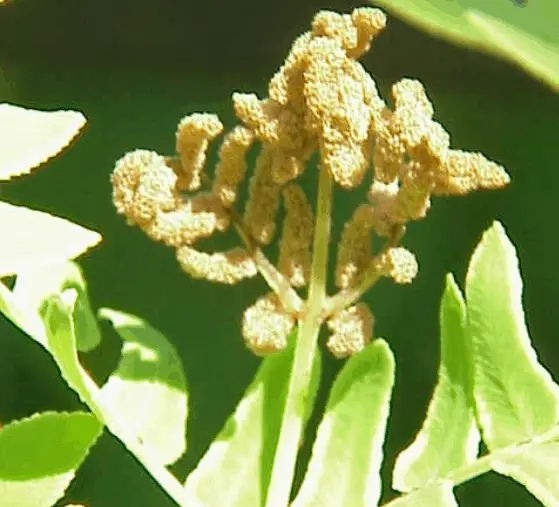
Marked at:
<point>292,426</point>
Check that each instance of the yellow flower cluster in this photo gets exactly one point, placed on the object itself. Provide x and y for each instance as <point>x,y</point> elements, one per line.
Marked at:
<point>321,100</point>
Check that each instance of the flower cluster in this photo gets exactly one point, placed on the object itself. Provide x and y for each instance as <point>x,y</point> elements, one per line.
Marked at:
<point>321,100</point>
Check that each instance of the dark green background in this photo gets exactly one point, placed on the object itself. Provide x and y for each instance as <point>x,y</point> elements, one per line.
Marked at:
<point>134,69</point>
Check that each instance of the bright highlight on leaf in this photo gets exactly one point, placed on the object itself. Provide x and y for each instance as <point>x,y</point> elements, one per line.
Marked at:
<point>437,495</point>
<point>526,35</point>
<point>30,137</point>
<point>449,437</point>
<point>39,456</point>
<point>536,466</point>
<point>347,454</point>
<point>515,396</point>
<point>33,238</point>
<point>148,388</point>
<point>236,468</point>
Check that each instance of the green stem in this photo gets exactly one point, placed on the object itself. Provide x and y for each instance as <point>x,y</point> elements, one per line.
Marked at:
<point>283,469</point>
<point>347,297</point>
<point>484,463</point>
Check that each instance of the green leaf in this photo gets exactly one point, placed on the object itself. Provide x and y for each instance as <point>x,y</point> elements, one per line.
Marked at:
<point>148,388</point>
<point>527,35</point>
<point>235,471</point>
<point>516,398</point>
<point>33,238</point>
<point>347,454</point>
<point>22,316</point>
<point>61,343</point>
<point>535,466</point>
<point>449,437</point>
<point>39,456</point>
<point>35,286</point>
<point>31,137</point>
<point>437,495</point>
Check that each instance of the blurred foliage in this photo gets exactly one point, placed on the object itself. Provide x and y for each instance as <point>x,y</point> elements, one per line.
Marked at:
<point>522,31</point>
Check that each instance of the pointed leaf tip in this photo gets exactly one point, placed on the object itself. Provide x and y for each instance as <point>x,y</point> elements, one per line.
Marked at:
<point>34,238</point>
<point>348,445</point>
<point>449,437</point>
<point>30,137</point>
<point>235,471</point>
<point>516,398</point>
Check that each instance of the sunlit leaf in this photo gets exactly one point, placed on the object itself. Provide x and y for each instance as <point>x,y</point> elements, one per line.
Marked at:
<point>39,456</point>
<point>148,388</point>
<point>522,32</point>
<point>449,437</point>
<point>515,396</point>
<point>30,137</point>
<point>235,471</point>
<point>22,315</point>
<point>535,466</point>
<point>61,343</point>
<point>33,238</point>
<point>437,495</point>
<point>34,286</point>
<point>347,454</point>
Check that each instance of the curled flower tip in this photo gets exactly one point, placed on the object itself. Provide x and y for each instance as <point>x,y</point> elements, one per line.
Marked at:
<point>231,167</point>
<point>193,136</point>
<point>369,22</point>
<point>295,244</point>
<point>198,218</point>
<point>143,186</point>
<point>354,31</point>
<point>228,267</point>
<point>260,116</point>
<point>354,248</point>
<point>266,325</point>
<point>352,329</point>
<point>399,264</point>
<point>464,172</point>
<point>263,199</point>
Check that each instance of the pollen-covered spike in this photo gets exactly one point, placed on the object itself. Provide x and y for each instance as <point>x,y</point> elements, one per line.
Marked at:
<point>143,186</point>
<point>266,325</point>
<point>354,248</point>
<point>352,330</point>
<point>295,244</point>
<point>231,167</point>
<point>194,133</point>
<point>464,172</point>
<point>399,264</point>
<point>195,219</point>
<point>224,267</point>
<point>339,111</point>
<point>263,200</point>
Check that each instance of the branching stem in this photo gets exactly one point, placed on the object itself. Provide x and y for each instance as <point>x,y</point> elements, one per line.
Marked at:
<point>292,426</point>
<point>370,276</point>
<point>277,282</point>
